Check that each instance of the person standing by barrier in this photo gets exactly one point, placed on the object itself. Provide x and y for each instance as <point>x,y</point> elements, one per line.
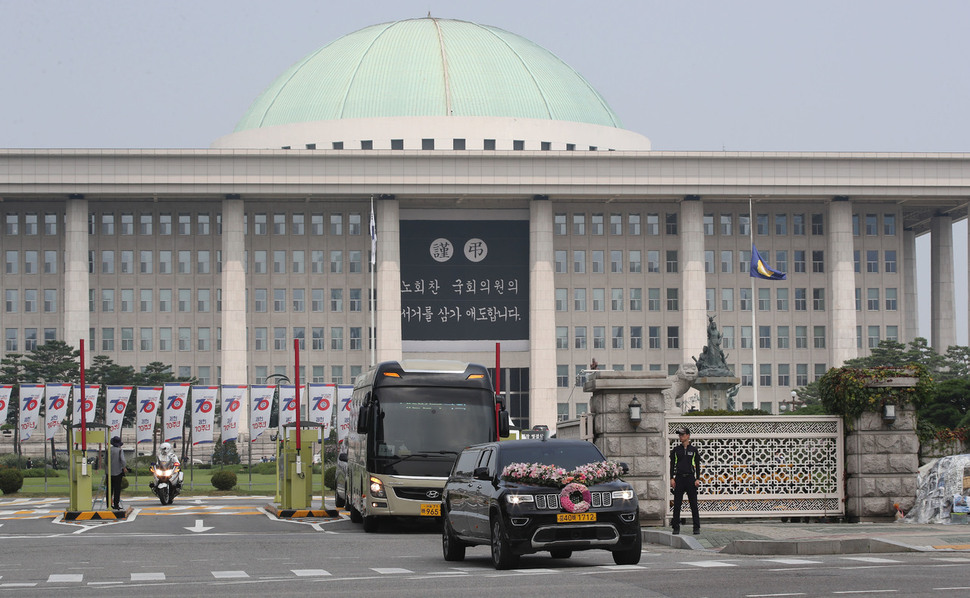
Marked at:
<point>118,468</point>
<point>685,476</point>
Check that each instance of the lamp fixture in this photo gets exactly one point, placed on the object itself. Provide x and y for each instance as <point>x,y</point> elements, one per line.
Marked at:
<point>635,414</point>
<point>888,413</point>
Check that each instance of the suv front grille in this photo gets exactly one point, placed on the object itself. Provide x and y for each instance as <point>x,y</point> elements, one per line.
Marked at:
<point>551,501</point>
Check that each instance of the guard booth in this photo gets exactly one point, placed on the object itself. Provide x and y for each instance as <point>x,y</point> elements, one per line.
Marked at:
<point>80,472</point>
<point>295,466</point>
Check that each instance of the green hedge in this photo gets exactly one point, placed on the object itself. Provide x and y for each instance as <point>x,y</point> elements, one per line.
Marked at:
<point>11,480</point>
<point>224,479</point>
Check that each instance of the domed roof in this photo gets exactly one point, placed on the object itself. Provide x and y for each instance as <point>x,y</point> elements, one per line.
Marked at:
<point>428,67</point>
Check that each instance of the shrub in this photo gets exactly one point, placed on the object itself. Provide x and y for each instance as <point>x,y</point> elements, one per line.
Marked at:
<point>330,477</point>
<point>224,479</point>
<point>11,480</point>
<point>265,468</point>
<point>38,472</point>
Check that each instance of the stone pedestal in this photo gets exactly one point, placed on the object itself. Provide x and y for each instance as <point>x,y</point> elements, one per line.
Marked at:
<point>881,463</point>
<point>713,391</point>
<point>643,447</point>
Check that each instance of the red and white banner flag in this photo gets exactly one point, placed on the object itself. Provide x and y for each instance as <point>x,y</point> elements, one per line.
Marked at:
<point>118,397</point>
<point>323,397</point>
<point>5,390</point>
<point>344,393</point>
<point>148,398</point>
<point>233,403</point>
<point>203,413</point>
<point>174,399</point>
<point>56,409</point>
<point>31,396</point>
<point>262,395</point>
<point>288,404</point>
<point>91,392</point>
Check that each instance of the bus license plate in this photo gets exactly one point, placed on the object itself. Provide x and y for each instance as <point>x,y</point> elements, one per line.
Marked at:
<point>574,517</point>
<point>431,509</point>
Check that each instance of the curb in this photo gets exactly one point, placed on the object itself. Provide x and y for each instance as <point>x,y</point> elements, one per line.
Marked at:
<point>296,513</point>
<point>817,547</point>
<point>669,539</point>
<point>110,515</point>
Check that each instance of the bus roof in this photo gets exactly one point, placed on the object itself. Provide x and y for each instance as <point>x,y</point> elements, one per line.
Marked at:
<point>459,369</point>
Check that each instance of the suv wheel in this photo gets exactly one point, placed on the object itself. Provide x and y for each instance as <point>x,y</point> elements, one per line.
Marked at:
<point>502,556</point>
<point>452,548</point>
<point>629,556</point>
<point>561,553</point>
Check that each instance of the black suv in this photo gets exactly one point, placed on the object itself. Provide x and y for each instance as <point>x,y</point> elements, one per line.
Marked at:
<point>517,514</point>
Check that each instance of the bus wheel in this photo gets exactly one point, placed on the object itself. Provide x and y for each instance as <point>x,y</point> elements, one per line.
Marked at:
<point>370,524</point>
<point>354,514</point>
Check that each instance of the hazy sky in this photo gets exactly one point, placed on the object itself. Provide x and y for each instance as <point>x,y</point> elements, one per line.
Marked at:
<point>849,75</point>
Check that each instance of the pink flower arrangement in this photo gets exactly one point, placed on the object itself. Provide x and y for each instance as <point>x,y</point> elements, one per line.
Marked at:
<point>537,474</point>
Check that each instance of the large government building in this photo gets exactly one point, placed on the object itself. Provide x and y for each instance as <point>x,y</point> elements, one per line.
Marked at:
<point>511,206</point>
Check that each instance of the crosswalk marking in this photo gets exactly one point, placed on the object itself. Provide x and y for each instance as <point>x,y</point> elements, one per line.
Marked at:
<point>229,574</point>
<point>952,559</point>
<point>147,577</point>
<point>793,561</point>
<point>622,567</point>
<point>309,572</point>
<point>870,559</point>
<point>711,564</point>
<point>18,585</point>
<point>65,578</point>
<point>390,570</point>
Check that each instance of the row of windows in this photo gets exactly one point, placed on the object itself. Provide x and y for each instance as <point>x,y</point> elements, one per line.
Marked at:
<point>456,144</point>
<point>597,223</point>
<point>123,262</point>
<point>784,375</point>
<point>657,340</point>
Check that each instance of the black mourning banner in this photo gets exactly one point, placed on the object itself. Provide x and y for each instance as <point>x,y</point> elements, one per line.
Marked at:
<point>464,280</point>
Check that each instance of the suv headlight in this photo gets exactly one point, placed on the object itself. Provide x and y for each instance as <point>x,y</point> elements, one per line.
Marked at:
<point>377,488</point>
<point>518,499</point>
<point>623,495</point>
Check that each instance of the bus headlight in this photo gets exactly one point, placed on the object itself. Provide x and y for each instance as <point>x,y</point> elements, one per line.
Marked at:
<point>518,499</point>
<point>623,495</point>
<point>377,488</point>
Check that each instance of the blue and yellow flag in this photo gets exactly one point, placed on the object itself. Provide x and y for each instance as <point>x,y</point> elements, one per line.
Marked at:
<point>759,269</point>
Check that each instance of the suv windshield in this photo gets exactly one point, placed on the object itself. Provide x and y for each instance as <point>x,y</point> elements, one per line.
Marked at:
<point>568,456</point>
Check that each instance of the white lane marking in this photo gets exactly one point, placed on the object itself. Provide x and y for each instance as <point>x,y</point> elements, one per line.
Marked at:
<point>866,592</point>
<point>65,578</point>
<point>148,576</point>
<point>535,571</point>
<point>951,589</point>
<point>870,559</point>
<point>792,562</point>
<point>229,574</point>
<point>18,585</point>
<point>309,572</point>
<point>774,595</point>
<point>622,567</point>
<point>952,559</point>
<point>390,570</point>
<point>710,564</point>
<point>198,527</point>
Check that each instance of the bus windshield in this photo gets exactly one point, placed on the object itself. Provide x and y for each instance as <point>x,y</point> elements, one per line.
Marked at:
<point>421,430</point>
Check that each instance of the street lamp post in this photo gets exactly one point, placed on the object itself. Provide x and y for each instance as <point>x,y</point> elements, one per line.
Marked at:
<point>794,397</point>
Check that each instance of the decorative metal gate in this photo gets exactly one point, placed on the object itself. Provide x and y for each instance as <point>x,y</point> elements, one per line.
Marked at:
<point>766,466</point>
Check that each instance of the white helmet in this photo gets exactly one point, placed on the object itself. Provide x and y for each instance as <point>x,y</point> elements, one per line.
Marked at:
<point>165,448</point>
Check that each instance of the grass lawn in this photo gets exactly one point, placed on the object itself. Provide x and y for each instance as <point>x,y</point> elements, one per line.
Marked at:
<point>196,482</point>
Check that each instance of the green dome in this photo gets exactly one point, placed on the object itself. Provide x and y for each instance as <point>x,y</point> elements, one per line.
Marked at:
<point>429,67</point>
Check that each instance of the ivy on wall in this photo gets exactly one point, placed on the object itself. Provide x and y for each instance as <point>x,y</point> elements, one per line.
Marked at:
<point>850,392</point>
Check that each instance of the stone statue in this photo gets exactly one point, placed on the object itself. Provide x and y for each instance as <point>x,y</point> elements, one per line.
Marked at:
<point>731,394</point>
<point>681,383</point>
<point>712,362</point>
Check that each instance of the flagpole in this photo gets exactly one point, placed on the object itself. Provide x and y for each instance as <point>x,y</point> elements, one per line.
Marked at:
<point>754,327</point>
<point>371,300</point>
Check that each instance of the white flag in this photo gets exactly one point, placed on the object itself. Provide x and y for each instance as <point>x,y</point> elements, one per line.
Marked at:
<point>175,397</point>
<point>91,392</point>
<point>233,400</point>
<point>117,397</point>
<point>203,413</point>
<point>30,397</point>
<point>373,235</point>
<point>287,404</point>
<point>5,390</point>
<point>322,400</point>
<point>345,393</point>
<point>56,409</point>
<point>260,414</point>
<point>148,399</point>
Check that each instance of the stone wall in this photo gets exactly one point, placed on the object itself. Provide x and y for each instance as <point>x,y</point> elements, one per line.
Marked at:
<point>881,463</point>
<point>642,447</point>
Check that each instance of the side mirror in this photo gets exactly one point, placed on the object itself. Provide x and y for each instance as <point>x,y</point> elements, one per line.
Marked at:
<point>481,473</point>
<point>624,468</point>
<point>503,423</point>
<point>363,416</point>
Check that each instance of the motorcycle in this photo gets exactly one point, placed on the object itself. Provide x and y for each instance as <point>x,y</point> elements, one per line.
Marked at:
<point>167,482</point>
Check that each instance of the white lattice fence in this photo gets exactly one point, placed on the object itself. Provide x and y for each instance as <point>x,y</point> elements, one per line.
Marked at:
<point>767,466</point>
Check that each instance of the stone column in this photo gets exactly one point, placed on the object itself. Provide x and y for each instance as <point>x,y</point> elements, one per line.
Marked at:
<point>910,293</point>
<point>77,317</point>
<point>388,277</point>
<point>235,353</point>
<point>693,334</point>
<point>881,463</point>
<point>841,292</point>
<point>642,447</point>
<point>542,316</point>
<point>942,314</point>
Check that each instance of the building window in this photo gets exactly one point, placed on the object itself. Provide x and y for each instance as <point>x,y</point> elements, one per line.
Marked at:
<point>892,333</point>
<point>890,299</point>
<point>672,261</point>
<point>819,336</point>
<point>745,299</point>
<point>107,339</point>
<point>597,261</point>
<point>636,266</point>
<point>488,144</point>
<point>727,299</point>
<point>616,262</point>
<point>562,381</point>
<point>727,337</point>
<point>561,258</point>
<point>872,261</point>
<point>710,299</point>
<point>761,223</point>
<point>636,299</point>
<point>653,261</point>
<point>818,226</point>
<point>890,261</point>
<point>336,300</point>
<point>818,299</point>
<point>518,144</point>
<point>596,224</point>
<point>279,339</point>
<point>579,261</point>
<point>561,300</point>
<point>872,225</point>
<point>653,338</point>
<point>673,337</point>
<point>633,224</point>
<point>818,261</point>
<point>579,299</point>
<point>336,262</point>
<point>636,337</point>
<point>783,341</point>
<point>764,337</point>
<point>617,337</point>
<point>747,374</point>
<point>616,299</point>
<point>782,297</point>
<point>673,299</point>
<point>579,333</point>
<point>708,262</point>
<point>559,224</point>
<point>599,299</point>
<point>872,299</point>
<point>562,337</point>
<point>889,224</point>
<point>726,225</point>
<point>764,299</point>
<point>653,224</point>
<point>746,340</point>
<point>671,223</point>
<point>764,378</point>
<point>653,299</point>
<point>873,336</point>
<point>727,261</point>
<point>579,224</point>
<point>798,224</point>
<point>616,224</point>
<point>708,224</point>
<point>599,337</point>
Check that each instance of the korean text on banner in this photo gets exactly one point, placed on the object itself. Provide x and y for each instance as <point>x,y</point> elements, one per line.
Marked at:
<point>345,393</point>
<point>118,397</point>
<point>203,413</point>
<point>57,396</point>
<point>174,399</point>
<point>148,398</point>
<point>30,397</point>
<point>5,390</point>
<point>233,400</point>
<point>322,400</point>
<point>262,395</point>
<point>91,392</point>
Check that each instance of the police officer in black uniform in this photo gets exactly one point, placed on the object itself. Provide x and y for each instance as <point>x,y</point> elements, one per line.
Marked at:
<point>685,476</point>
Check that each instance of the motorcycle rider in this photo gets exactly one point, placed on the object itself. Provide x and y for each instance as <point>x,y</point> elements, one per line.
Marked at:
<point>168,459</point>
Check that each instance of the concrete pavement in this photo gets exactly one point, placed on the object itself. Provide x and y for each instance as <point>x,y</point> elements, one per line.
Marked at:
<point>775,538</point>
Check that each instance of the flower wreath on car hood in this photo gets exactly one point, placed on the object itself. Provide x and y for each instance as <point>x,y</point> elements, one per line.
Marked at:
<point>574,496</point>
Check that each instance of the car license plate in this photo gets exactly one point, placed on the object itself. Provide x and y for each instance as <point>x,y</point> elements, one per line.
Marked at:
<point>573,517</point>
<point>431,509</point>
